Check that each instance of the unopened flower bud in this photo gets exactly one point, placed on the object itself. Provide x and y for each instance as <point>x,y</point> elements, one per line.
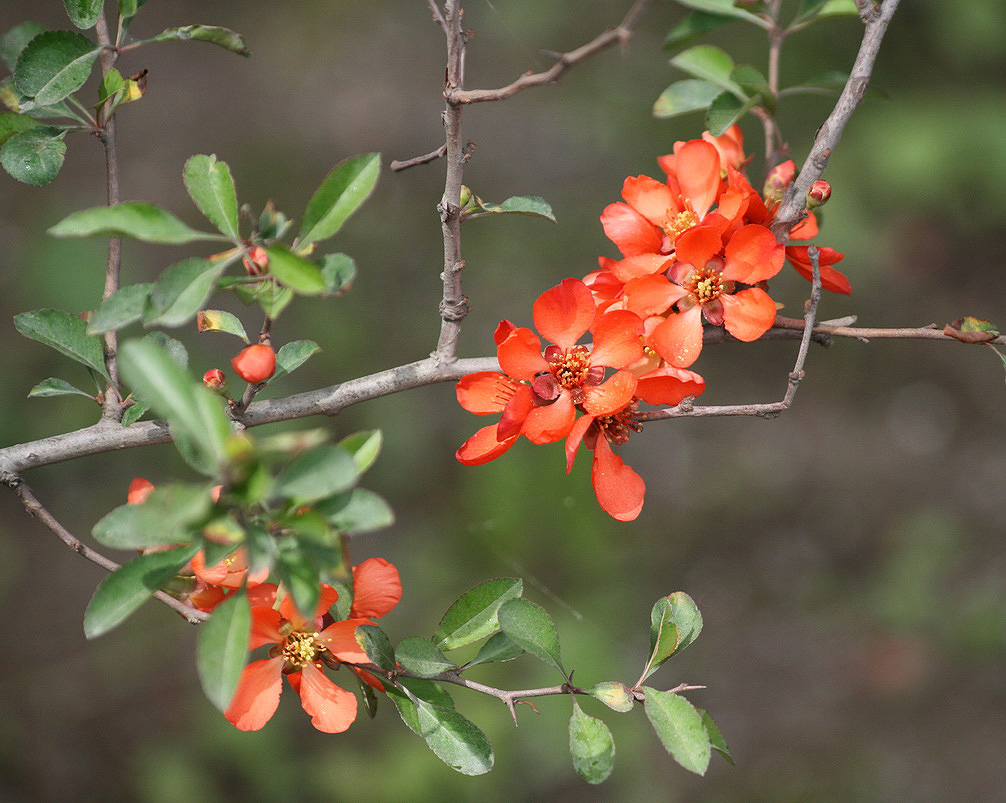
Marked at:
<point>778,179</point>
<point>818,194</point>
<point>256,261</point>
<point>255,363</point>
<point>215,380</point>
<point>139,490</point>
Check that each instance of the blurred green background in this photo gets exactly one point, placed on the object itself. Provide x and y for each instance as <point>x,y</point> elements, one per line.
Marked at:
<point>848,557</point>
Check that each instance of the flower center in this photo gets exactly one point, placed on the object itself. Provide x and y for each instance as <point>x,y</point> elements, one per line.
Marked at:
<point>704,285</point>
<point>678,224</point>
<point>300,649</point>
<point>571,368</point>
<point>618,427</point>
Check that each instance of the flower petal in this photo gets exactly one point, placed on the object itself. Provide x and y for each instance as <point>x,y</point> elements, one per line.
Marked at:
<point>483,446</point>
<point>630,231</point>
<point>340,640</point>
<point>332,709</point>
<point>485,392</point>
<point>377,588</point>
<point>265,624</point>
<point>617,339</point>
<point>669,385</point>
<point>651,198</point>
<point>679,338</point>
<point>831,279</point>
<point>651,295</point>
<point>257,695</point>
<point>610,396</point>
<point>753,255</point>
<point>640,265</point>
<point>563,313</point>
<point>747,315</point>
<point>515,412</point>
<point>520,355</point>
<point>575,438</point>
<point>550,422</point>
<point>698,174</point>
<point>619,489</point>
<point>698,245</point>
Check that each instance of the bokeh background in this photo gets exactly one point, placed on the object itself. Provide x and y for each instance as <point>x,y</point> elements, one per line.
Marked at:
<point>848,557</point>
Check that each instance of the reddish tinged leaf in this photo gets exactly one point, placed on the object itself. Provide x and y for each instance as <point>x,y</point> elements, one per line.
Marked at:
<point>332,709</point>
<point>620,490</point>
<point>971,330</point>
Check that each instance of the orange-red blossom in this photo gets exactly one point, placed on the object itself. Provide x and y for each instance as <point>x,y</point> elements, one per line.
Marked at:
<point>302,646</point>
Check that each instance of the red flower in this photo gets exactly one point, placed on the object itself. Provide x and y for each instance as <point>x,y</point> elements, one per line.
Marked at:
<point>538,393</point>
<point>139,490</point>
<point>302,648</point>
<point>705,275</point>
<point>255,363</point>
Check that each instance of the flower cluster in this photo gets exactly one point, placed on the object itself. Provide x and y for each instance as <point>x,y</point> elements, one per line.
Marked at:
<point>696,249</point>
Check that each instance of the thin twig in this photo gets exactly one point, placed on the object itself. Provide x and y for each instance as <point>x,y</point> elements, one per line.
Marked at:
<point>620,34</point>
<point>830,132</point>
<point>111,406</point>
<point>437,16</point>
<point>400,164</point>
<point>38,511</point>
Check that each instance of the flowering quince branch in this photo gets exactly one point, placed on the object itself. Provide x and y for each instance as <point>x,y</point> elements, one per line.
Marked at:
<point>876,19</point>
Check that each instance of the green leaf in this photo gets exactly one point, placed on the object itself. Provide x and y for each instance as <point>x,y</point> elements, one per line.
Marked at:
<point>694,25</point>
<point>218,320</point>
<point>419,656</point>
<point>726,8</point>
<point>320,472</point>
<point>111,83</point>
<point>473,616</point>
<point>181,291</point>
<point>822,9</point>
<point>215,35</point>
<point>752,82</point>
<point>134,413</point>
<point>455,740</point>
<point>613,694</point>
<point>65,332</point>
<point>223,648</point>
<point>375,643</point>
<point>529,626</point>
<point>356,511</point>
<point>364,446</point>
<point>211,188</point>
<point>292,355</point>
<point>679,726</point>
<point>128,8</point>
<point>53,65</point>
<point>128,587</point>
<point>12,123</point>
<point>175,348</point>
<point>56,387</point>
<point>716,740</point>
<point>518,205</point>
<point>708,63</point>
<point>35,156</point>
<point>136,219</point>
<point>83,13</point>
<point>664,639</point>
<point>338,271</point>
<point>15,41</point>
<point>681,610</point>
<point>686,96</point>
<point>591,745</point>
<point>342,192</point>
<point>498,648</point>
<point>123,307</point>
<point>725,110</point>
<point>299,574</point>
<point>196,416</point>
<point>297,273</point>
<point>166,517</point>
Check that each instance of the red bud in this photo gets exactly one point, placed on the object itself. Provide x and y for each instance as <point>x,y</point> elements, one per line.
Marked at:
<point>215,380</point>
<point>778,179</point>
<point>256,262</point>
<point>139,490</point>
<point>255,363</point>
<point>818,194</point>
